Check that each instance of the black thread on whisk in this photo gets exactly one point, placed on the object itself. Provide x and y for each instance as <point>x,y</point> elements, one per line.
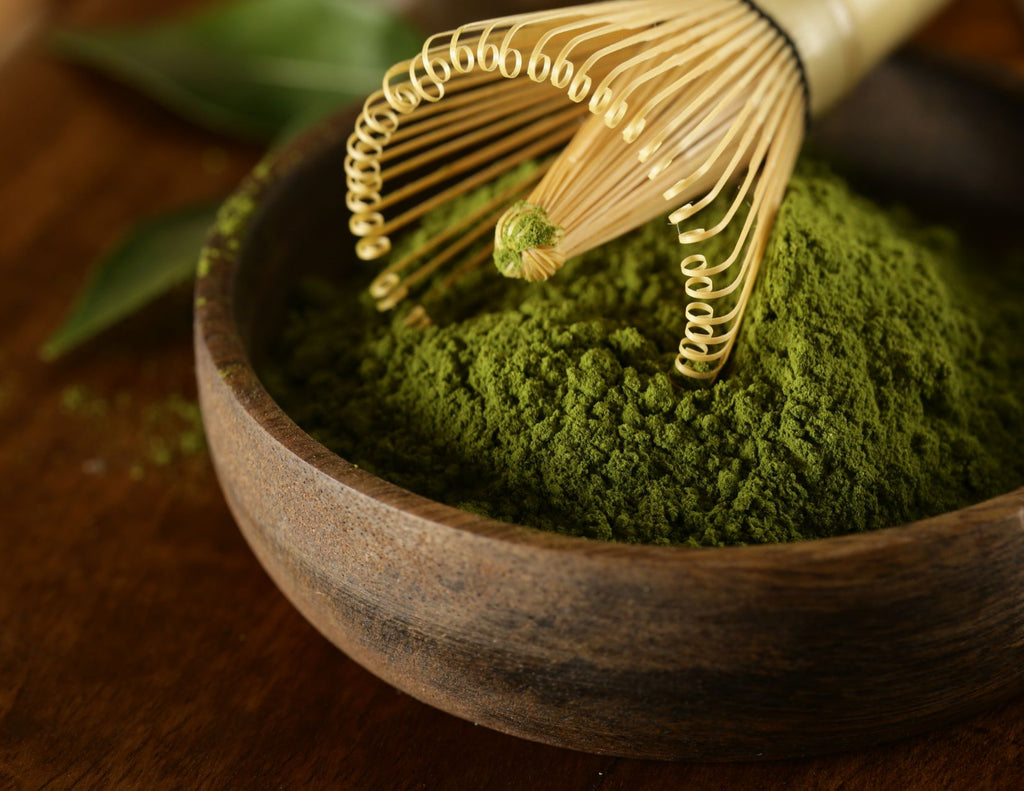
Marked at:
<point>796,54</point>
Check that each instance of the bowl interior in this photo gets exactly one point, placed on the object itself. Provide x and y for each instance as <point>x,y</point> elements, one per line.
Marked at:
<point>299,228</point>
<point>300,224</point>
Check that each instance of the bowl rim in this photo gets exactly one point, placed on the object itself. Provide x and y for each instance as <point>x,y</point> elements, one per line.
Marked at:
<point>216,329</point>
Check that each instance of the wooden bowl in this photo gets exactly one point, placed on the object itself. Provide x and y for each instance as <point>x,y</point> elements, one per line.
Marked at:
<point>655,652</point>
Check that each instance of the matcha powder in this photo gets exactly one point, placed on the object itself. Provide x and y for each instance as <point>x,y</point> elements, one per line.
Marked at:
<point>877,379</point>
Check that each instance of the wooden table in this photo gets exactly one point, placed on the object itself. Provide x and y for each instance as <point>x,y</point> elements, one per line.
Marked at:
<point>141,645</point>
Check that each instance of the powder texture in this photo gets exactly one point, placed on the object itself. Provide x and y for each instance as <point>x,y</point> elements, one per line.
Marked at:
<point>877,379</point>
<point>525,226</point>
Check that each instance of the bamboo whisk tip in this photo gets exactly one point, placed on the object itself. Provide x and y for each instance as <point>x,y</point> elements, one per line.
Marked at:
<point>526,243</point>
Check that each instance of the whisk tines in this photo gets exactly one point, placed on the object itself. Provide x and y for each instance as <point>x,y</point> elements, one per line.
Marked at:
<point>634,108</point>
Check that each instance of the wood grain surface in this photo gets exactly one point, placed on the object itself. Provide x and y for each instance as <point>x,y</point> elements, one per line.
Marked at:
<point>141,645</point>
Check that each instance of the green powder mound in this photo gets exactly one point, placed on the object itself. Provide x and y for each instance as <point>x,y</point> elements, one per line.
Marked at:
<point>877,379</point>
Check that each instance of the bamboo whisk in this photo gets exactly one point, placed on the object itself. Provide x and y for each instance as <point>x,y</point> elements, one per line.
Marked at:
<point>634,109</point>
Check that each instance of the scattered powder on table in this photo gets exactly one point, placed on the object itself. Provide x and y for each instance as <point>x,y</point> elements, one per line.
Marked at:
<point>159,433</point>
<point>878,378</point>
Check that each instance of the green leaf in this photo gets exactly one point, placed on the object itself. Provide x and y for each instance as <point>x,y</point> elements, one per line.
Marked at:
<point>156,256</point>
<point>253,68</point>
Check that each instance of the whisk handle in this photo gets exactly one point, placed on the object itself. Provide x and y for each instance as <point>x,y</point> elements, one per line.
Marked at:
<point>838,41</point>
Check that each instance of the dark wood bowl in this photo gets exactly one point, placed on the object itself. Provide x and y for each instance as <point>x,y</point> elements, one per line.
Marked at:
<point>656,652</point>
